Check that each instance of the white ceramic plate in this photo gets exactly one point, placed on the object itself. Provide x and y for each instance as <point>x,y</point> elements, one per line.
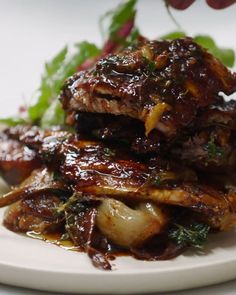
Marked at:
<point>35,264</point>
<point>33,31</point>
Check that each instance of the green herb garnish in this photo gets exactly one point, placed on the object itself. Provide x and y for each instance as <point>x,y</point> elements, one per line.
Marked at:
<point>56,175</point>
<point>73,204</point>
<point>195,235</point>
<point>109,152</point>
<point>151,67</point>
<point>155,180</point>
<point>213,150</point>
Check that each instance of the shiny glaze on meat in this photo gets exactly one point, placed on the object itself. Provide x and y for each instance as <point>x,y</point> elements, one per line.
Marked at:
<point>103,197</point>
<point>96,169</point>
<point>161,83</point>
<point>158,96</point>
<point>17,161</point>
<point>36,213</point>
<point>120,129</point>
<point>210,145</point>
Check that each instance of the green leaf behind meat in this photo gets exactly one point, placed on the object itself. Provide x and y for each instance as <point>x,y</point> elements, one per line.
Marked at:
<point>225,55</point>
<point>47,111</point>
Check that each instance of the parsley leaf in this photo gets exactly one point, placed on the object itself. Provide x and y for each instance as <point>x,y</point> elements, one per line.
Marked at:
<point>195,235</point>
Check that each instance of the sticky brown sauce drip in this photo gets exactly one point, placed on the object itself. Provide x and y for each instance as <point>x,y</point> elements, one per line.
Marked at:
<point>159,248</point>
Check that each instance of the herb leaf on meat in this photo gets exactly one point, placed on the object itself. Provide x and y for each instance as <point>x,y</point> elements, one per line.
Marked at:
<point>214,151</point>
<point>195,235</point>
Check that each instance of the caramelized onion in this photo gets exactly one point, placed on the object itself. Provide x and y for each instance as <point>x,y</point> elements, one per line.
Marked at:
<point>129,227</point>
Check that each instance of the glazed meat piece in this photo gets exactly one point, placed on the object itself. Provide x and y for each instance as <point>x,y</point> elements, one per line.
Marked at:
<point>208,145</point>
<point>105,198</point>
<point>16,160</point>
<point>36,213</point>
<point>40,181</point>
<point>221,114</point>
<point>212,145</point>
<point>160,83</point>
<point>33,136</point>
<point>210,149</point>
<point>93,168</point>
<point>121,130</point>
<point>98,170</point>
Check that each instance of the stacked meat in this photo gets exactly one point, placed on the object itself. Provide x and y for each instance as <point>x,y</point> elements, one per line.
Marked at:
<point>153,143</point>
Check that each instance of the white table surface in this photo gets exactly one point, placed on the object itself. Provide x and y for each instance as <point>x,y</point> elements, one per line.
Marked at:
<point>25,34</point>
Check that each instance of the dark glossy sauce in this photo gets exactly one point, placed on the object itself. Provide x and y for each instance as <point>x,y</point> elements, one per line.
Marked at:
<point>55,239</point>
<point>66,244</point>
<point>179,73</point>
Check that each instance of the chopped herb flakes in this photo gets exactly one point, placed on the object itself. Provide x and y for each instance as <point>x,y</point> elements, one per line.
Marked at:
<point>214,151</point>
<point>195,235</point>
<point>109,152</point>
